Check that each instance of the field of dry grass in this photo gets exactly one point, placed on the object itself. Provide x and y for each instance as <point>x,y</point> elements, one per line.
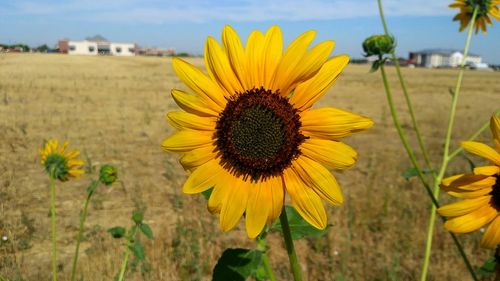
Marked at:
<point>113,109</point>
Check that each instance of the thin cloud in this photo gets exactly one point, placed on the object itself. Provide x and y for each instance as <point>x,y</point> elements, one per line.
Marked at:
<point>154,11</point>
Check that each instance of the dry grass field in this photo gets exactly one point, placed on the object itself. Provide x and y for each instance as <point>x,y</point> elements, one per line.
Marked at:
<point>113,109</point>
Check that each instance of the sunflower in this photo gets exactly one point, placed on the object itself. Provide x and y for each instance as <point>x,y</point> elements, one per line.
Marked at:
<point>249,131</point>
<point>480,192</point>
<point>486,8</point>
<point>58,163</point>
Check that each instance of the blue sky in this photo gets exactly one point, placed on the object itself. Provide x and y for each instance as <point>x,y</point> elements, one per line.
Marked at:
<point>184,25</point>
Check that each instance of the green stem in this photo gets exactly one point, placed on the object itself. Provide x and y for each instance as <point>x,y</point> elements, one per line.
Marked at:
<point>130,239</point>
<point>403,137</point>
<point>413,160</point>
<point>262,246</point>
<point>446,156</point>
<point>53,224</point>
<point>405,92</point>
<point>83,216</point>
<point>124,265</point>
<point>3,278</point>
<point>290,249</point>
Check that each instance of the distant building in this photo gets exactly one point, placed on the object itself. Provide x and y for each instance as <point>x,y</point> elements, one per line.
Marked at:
<point>441,58</point>
<point>156,52</point>
<point>96,45</point>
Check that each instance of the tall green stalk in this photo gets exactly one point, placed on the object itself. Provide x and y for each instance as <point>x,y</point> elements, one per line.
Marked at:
<point>130,238</point>
<point>413,160</point>
<point>262,246</point>
<point>405,92</point>
<point>53,223</point>
<point>446,156</point>
<point>83,216</point>
<point>290,249</point>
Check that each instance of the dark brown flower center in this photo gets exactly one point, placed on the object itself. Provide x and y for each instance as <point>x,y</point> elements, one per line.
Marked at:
<point>495,194</point>
<point>258,134</point>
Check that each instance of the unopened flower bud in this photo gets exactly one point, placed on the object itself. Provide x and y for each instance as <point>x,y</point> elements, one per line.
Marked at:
<point>108,174</point>
<point>378,45</point>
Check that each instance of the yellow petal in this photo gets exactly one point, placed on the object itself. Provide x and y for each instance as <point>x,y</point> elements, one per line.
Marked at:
<point>472,221</point>
<point>236,54</point>
<point>307,93</point>
<point>255,59</point>
<point>460,193</point>
<point>317,177</point>
<point>74,163</point>
<point>200,83</point>
<point>63,147</point>
<point>463,207</point>
<point>258,208</point>
<point>482,150</point>
<point>272,54</point>
<point>186,140</point>
<point>290,60</point>
<point>332,123</point>
<point>72,154</point>
<point>193,104</point>
<point>76,173</point>
<point>495,129</point>
<point>220,192</point>
<point>487,170</point>
<point>333,154</point>
<point>197,157</point>
<point>235,204</point>
<point>305,68</point>
<point>491,238</point>
<point>469,181</point>
<point>203,178</point>
<point>305,200</point>
<point>220,69</point>
<point>275,186</point>
<point>183,120</point>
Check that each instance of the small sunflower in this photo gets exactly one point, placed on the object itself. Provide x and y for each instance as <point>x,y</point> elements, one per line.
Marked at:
<point>58,163</point>
<point>249,131</point>
<point>480,192</point>
<point>486,8</point>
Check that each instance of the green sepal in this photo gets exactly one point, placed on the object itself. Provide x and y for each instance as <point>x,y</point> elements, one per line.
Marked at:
<point>298,226</point>
<point>206,194</point>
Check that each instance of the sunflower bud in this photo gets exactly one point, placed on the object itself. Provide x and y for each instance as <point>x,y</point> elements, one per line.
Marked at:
<point>108,174</point>
<point>378,45</point>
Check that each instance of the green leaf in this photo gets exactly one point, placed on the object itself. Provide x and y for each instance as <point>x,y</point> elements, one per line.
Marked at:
<point>137,249</point>
<point>147,231</point>
<point>117,231</point>
<point>207,193</point>
<point>413,172</point>
<point>137,217</point>
<point>487,268</point>
<point>237,265</point>
<point>298,226</point>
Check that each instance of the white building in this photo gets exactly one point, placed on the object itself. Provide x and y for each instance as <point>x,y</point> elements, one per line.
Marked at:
<point>442,58</point>
<point>96,45</point>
